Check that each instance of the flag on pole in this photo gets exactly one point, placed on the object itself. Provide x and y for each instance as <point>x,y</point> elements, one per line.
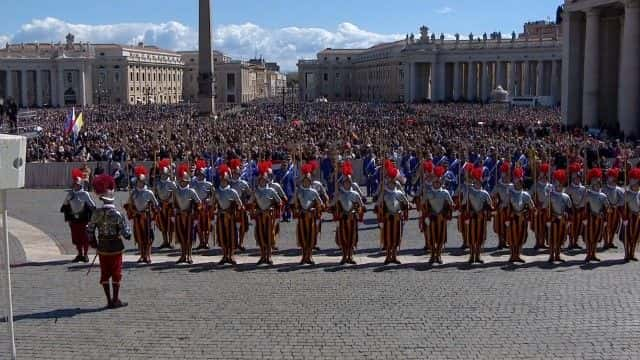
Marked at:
<point>69,122</point>
<point>77,126</point>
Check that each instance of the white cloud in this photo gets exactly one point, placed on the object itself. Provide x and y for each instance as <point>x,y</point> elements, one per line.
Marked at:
<point>4,39</point>
<point>444,10</point>
<point>285,45</point>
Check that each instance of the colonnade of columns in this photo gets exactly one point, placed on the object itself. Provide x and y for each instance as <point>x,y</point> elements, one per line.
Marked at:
<point>31,87</point>
<point>475,80</point>
<point>601,72</point>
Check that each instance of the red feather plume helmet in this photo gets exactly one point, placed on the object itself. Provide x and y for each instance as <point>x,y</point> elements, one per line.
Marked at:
<point>439,171</point>
<point>518,174</point>
<point>76,176</point>
<point>544,168</point>
<point>104,186</point>
<point>164,165</point>
<point>235,164</point>
<point>634,176</point>
<point>613,173</point>
<point>316,164</point>
<point>476,173</point>
<point>307,170</point>
<point>595,173</point>
<point>428,167</point>
<point>224,171</point>
<point>263,168</point>
<point>560,176</point>
<point>200,166</point>
<point>575,168</point>
<point>505,167</point>
<point>347,169</point>
<point>184,172</point>
<point>141,172</point>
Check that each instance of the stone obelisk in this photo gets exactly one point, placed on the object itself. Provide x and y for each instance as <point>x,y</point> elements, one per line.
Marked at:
<point>205,73</point>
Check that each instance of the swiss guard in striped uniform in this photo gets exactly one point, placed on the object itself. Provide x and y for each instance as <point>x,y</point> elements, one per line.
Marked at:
<point>615,195</point>
<point>141,209</point>
<point>111,227</point>
<point>539,192</point>
<point>392,208</point>
<point>462,189</point>
<point>307,208</point>
<point>322,191</point>
<point>437,208</point>
<point>631,216</point>
<point>204,189</point>
<point>476,207</point>
<point>77,208</point>
<point>519,208</point>
<point>426,186</point>
<point>558,212</point>
<point>263,203</point>
<point>348,209</point>
<point>243,189</point>
<point>500,196</point>
<point>187,203</point>
<point>577,192</point>
<point>226,204</point>
<point>164,190</point>
<point>596,207</point>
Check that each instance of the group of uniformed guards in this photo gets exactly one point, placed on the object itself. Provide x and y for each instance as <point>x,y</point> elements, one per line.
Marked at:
<point>195,207</point>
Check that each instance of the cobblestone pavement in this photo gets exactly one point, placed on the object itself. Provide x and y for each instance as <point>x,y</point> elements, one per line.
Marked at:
<point>491,311</point>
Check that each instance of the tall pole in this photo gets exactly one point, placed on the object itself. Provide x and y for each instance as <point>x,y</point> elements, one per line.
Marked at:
<point>205,76</point>
<point>5,235</point>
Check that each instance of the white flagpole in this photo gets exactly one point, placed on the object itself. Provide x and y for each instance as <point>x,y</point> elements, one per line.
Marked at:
<point>5,235</point>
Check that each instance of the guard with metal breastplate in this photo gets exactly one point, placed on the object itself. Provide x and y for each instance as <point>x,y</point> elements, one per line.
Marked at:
<point>77,208</point>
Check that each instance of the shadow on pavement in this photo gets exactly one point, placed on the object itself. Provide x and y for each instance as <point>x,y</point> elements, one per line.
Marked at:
<point>55,314</point>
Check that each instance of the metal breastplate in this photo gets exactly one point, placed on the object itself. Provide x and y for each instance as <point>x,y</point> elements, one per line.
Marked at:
<point>108,223</point>
<point>478,199</point>
<point>186,198</point>
<point>502,191</point>
<point>539,191</point>
<point>202,188</point>
<point>393,200</point>
<point>79,200</point>
<point>348,200</point>
<point>519,200</point>
<point>142,199</point>
<point>560,203</point>
<point>577,194</point>
<point>438,199</point>
<point>266,198</point>
<point>597,201</point>
<point>226,197</point>
<point>307,198</point>
<point>632,201</point>
<point>319,188</point>
<point>165,189</point>
<point>241,187</point>
<point>275,186</point>
<point>615,195</point>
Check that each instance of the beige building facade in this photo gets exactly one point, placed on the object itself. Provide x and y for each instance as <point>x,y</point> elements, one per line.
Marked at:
<point>83,74</point>
<point>235,81</point>
<point>601,72</point>
<point>430,68</point>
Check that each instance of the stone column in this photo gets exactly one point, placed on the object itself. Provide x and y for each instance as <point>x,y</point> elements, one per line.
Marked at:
<point>540,78</point>
<point>412,82</point>
<point>439,81</point>
<point>205,80</point>
<point>591,66</point>
<point>60,86</point>
<point>9,84</point>
<point>39,88</point>
<point>457,83</point>
<point>53,90</point>
<point>572,38</point>
<point>513,81</point>
<point>471,94</point>
<point>485,81</point>
<point>407,83</point>
<point>526,70</point>
<point>555,81</point>
<point>500,81</point>
<point>629,87</point>
<point>83,87</point>
<point>23,89</point>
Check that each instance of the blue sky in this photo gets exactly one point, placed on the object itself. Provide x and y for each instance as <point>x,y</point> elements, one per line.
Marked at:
<point>281,30</point>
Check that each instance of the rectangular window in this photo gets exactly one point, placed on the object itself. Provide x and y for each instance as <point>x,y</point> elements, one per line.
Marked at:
<point>337,76</point>
<point>326,77</point>
<point>231,99</point>
<point>231,82</point>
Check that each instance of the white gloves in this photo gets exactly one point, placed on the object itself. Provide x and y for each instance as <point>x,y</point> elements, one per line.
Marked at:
<point>625,223</point>
<point>427,221</point>
<point>196,222</point>
<point>507,223</point>
<point>584,222</point>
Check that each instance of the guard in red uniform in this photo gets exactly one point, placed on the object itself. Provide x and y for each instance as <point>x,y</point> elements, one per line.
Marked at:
<point>77,208</point>
<point>111,227</point>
